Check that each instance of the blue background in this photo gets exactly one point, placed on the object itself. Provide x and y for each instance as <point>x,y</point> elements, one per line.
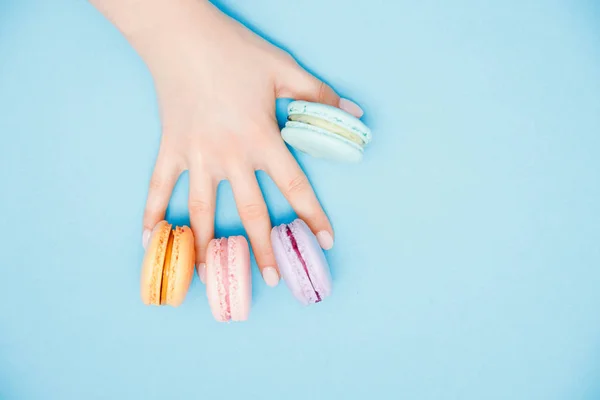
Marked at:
<point>468,242</point>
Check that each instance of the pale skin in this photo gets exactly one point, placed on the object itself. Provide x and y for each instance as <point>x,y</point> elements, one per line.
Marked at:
<point>217,83</point>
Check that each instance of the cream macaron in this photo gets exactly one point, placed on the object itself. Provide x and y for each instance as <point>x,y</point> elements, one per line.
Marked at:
<point>327,132</point>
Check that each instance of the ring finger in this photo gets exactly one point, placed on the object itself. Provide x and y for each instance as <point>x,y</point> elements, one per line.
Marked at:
<point>296,188</point>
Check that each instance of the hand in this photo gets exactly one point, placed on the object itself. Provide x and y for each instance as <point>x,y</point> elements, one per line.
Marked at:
<point>217,85</point>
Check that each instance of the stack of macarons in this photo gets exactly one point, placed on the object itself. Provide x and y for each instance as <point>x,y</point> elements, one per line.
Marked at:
<point>168,267</point>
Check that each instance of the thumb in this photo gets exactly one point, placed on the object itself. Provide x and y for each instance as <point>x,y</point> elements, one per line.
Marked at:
<point>301,85</point>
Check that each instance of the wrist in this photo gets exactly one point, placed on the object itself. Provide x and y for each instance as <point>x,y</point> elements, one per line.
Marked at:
<point>155,26</point>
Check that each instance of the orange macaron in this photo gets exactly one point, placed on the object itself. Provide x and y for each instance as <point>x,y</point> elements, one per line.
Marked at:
<point>168,265</point>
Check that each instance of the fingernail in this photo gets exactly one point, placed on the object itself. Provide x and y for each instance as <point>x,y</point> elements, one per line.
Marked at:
<point>270,276</point>
<point>325,240</point>
<point>202,272</point>
<point>351,107</point>
<point>145,238</point>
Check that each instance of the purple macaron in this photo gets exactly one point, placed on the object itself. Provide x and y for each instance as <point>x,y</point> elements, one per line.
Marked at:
<point>301,262</point>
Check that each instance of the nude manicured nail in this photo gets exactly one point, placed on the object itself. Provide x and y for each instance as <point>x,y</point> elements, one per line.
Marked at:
<point>325,240</point>
<point>270,276</point>
<point>145,238</point>
<point>202,272</point>
<point>351,107</point>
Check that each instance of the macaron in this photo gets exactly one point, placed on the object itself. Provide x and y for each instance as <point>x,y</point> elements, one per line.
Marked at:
<point>301,262</point>
<point>324,131</point>
<point>228,278</point>
<point>168,265</point>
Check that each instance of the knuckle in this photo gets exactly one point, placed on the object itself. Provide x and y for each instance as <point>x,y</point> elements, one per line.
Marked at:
<point>195,154</point>
<point>264,142</point>
<point>297,185</point>
<point>286,58</point>
<point>199,207</point>
<point>322,92</point>
<point>156,183</point>
<point>263,250</point>
<point>253,212</point>
<point>148,214</point>
<point>267,255</point>
<point>200,252</point>
<point>255,127</point>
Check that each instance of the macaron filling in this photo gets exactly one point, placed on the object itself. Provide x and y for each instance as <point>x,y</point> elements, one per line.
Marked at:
<point>294,243</point>
<point>166,270</point>
<point>328,126</point>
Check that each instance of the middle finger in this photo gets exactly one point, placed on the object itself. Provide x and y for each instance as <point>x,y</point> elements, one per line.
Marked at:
<point>255,217</point>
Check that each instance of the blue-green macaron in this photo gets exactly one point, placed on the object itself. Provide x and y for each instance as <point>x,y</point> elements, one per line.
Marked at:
<point>323,131</point>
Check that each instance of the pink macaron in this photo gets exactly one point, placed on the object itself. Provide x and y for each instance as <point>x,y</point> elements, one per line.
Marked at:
<point>301,262</point>
<point>228,279</point>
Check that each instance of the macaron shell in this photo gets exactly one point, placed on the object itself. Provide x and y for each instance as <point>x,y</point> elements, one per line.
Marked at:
<point>319,143</point>
<point>216,289</point>
<point>152,265</point>
<point>289,265</point>
<point>181,268</point>
<point>326,125</point>
<point>332,114</point>
<point>240,283</point>
<point>313,256</point>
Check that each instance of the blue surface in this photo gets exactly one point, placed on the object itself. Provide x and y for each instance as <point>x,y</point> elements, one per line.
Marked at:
<point>474,275</point>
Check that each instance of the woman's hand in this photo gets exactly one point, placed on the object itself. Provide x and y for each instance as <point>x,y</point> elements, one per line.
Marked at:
<point>217,84</point>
